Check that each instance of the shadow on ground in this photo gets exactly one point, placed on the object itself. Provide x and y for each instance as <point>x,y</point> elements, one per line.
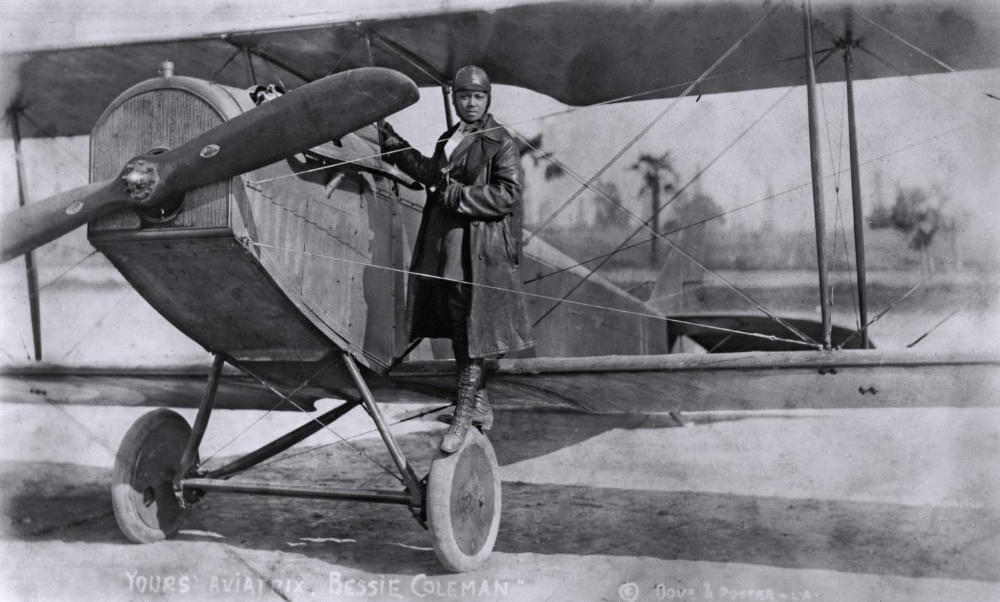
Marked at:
<point>49,502</point>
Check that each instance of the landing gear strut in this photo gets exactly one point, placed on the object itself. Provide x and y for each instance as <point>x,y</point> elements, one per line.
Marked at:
<point>156,478</point>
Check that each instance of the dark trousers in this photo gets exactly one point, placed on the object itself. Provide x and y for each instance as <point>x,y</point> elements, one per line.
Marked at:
<point>455,301</point>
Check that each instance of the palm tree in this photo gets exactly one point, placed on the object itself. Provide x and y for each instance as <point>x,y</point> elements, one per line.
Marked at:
<point>652,168</point>
<point>532,147</point>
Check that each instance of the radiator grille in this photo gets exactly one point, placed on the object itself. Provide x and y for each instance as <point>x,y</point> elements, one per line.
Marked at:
<point>162,118</point>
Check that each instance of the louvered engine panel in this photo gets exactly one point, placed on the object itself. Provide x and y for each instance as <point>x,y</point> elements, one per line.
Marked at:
<point>157,119</point>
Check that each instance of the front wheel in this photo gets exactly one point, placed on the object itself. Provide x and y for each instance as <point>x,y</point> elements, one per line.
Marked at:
<point>463,504</point>
<point>142,488</point>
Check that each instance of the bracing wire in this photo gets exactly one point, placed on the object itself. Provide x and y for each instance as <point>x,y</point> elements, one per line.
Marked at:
<point>933,328</point>
<point>670,233</point>
<point>990,286</point>
<point>327,427</point>
<point>66,271</point>
<point>645,224</point>
<point>926,55</point>
<point>894,303</point>
<point>911,45</point>
<point>274,407</point>
<point>239,51</point>
<point>49,134</point>
<point>27,354</point>
<point>909,76</point>
<point>881,157</point>
<point>871,160</point>
<point>112,309</point>
<point>310,450</point>
<point>884,311</point>
<point>839,221</point>
<point>618,155</point>
<point>655,120</point>
<point>535,295</point>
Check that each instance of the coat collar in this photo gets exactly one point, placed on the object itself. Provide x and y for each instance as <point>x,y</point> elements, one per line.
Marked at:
<point>487,127</point>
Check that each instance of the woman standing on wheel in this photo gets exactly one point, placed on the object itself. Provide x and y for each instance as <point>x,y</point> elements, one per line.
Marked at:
<point>469,244</point>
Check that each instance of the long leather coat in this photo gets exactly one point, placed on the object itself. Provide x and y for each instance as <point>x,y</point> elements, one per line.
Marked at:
<point>481,183</point>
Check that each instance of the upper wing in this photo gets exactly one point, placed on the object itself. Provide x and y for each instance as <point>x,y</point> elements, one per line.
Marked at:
<point>576,52</point>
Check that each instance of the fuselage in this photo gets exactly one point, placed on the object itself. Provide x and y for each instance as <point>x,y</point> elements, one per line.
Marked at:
<point>277,267</point>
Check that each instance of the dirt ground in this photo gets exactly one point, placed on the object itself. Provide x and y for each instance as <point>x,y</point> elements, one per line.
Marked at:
<point>853,505</point>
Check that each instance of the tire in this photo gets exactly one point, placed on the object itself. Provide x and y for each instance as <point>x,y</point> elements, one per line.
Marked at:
<point>463,504</point>
<point>142,492</point>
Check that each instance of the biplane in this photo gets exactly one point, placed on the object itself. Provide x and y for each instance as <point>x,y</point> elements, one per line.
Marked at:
<point>278,237</point>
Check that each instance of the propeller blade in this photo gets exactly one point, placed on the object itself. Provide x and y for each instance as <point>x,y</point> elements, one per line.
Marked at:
<point>301,119</point>
<point>38,223</point>
<point>297,121</point>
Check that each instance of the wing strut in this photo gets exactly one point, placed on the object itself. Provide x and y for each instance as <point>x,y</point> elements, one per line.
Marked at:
<point>817,178</point>
<point>449,119</point>
<point>248,59</point>
<point>859,230</point>
<point>14,116</point>
<point>417,61</point>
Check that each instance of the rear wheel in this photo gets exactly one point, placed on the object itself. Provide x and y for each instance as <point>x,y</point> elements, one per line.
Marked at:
<point>463,504</point>
<point>142,488</point>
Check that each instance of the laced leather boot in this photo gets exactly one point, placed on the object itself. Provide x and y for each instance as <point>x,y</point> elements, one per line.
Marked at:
<point>454,439</point>
<point>482,413</point>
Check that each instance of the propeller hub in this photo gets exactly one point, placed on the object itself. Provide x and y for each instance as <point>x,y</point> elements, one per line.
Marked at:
<point>140,177</point>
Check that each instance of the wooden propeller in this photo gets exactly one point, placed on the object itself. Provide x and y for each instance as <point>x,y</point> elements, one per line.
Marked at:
<point>305,117</point>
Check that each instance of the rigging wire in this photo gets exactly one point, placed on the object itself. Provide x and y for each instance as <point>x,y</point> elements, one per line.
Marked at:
<point>325,426</point>
<point>535,295</point>
<point>911,45</point>
<point>674,231</point>
<point>114,306</point>
<point>282,207</point>
<point>52,246</point>
<point>47,132</point>
<point>351,438</point>
<point>616,203</point>
<point>979,296</point>
<point>27,354</point>
<point>892,304</point>
<point>323,364</point>
<point>511,124</point>
<point>239,51</point>
<point>905,295</point>
<point>409,60</point>
<point>637,218</point>
<point>688,87</point>
<point>839,218</point>
<point>866,162</point>
<point>253,184</point>
<point>673,245</point>
<point>645,223</point>
<point>962,77</point>
<point>722,75</point>
<point>676,293</point>
<point>933,328</point>
<point>655,120</point>
<point>67,270</point>
<point>934,92</point>
<point>912,78</point>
